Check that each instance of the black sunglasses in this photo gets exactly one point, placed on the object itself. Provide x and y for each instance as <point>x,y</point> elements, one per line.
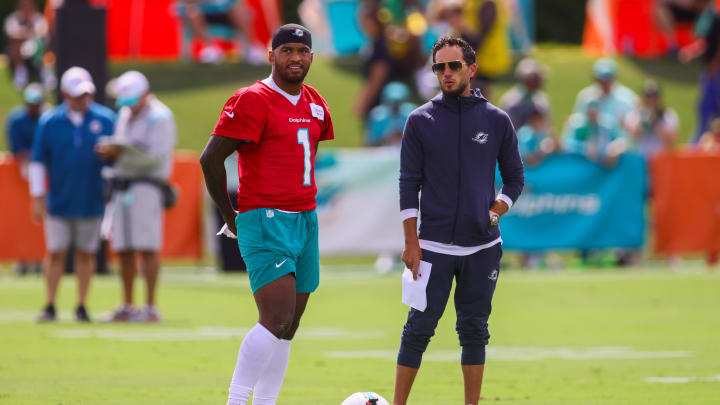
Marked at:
<point>439,67</point>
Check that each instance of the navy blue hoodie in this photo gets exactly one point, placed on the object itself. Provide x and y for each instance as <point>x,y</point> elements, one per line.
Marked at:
<point>449,149</point>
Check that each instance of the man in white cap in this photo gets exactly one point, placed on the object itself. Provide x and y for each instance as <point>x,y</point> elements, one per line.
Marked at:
<point>526,97</point>
<point>71,199</point>
<point>141,149</point>
<point>610,97</point>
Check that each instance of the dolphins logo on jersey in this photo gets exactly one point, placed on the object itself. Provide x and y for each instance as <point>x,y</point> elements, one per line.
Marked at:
<point>481,138</point>
<point>95,127</point>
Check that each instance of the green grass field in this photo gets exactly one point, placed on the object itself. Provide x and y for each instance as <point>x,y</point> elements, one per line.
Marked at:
<point>196,93</point>
<point>594,337</point>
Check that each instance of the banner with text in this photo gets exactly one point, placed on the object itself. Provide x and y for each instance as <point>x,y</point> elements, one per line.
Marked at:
<point>358,203</point>
<point>572,203</point>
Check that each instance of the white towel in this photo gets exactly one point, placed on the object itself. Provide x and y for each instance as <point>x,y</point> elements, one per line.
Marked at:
<point>226,231</point>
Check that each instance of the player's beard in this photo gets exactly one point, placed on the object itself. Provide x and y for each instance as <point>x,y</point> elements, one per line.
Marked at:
<point>290,78</point>
<point>457,92</point>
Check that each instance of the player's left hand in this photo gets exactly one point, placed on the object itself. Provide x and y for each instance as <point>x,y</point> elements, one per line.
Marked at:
<point>108,152</point>
<point>497,209</point>
<point>494,218</point>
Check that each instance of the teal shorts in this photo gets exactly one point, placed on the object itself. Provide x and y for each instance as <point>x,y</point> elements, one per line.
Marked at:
<point>274,243</point>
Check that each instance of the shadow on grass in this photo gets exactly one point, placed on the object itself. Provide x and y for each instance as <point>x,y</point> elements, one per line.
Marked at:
<point>176,76</point>
<point>666,69</point>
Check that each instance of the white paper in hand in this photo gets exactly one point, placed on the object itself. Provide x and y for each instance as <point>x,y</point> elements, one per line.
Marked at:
<point>414,291</point>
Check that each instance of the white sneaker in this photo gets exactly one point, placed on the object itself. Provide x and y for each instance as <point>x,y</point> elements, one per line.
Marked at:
<point>123,313</point>
<point>148,314</point>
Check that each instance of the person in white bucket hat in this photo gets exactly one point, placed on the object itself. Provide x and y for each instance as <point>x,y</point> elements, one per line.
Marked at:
<point>141,149</point>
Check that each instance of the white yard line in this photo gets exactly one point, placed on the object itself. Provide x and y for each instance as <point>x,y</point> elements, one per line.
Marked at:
<point>682,380</point>
<point>137,333</point>
<point>502,353</point>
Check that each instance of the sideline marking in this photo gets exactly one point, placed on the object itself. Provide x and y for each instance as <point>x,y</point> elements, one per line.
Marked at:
<point>203,333</point>
<point>682,380</point>
<point>505,353</point>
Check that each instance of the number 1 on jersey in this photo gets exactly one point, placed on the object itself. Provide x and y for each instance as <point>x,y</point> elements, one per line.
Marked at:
<point>303,135</point>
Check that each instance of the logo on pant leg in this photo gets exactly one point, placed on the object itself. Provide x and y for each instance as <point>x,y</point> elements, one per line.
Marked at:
<point>493,275</point>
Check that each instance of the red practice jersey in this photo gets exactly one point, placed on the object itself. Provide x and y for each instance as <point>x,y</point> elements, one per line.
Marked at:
<point>277,169</point>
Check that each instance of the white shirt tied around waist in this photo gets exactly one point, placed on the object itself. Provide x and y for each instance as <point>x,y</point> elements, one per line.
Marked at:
<point>148,139</point>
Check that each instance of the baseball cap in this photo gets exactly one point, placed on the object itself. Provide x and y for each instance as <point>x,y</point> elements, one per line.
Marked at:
<point>34,93</point>
<point>651,88</point>
<point>605,69</point>
<point>593,105</point>
<point>130,87</point>
<point>528,67</point>
<point>76,81</point>
<point>395,92</point>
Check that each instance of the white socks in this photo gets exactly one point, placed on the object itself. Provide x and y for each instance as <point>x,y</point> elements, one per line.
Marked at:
<point>268,386</point>
<point>254,355</point>
<point>262,361</point>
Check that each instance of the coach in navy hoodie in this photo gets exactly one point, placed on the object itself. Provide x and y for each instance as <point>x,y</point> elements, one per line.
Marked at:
<point>447,171</point>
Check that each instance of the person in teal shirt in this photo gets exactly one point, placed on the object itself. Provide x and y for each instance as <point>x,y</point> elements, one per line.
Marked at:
<point>535,141</point>
<point>387,120</point>
<point>596,135</point>
<point>613,99</point>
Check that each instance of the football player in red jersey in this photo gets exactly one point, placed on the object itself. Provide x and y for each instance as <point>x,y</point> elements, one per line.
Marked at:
<point>275,125</point>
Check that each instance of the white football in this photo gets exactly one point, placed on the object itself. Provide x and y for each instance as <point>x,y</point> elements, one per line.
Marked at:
<point>365,398</point>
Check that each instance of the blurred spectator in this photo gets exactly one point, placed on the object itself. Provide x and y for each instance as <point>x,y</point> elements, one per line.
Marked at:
<point>63,152</point>
<point>613,99</point>
<point>520,17</point>
<point>21,125</point>
<point>488,21</point>
<point>141,149</point>
<point>710,140</point>
<point>535,143</point>
<point>595,135</point>
<point>707,29</point>
<point>710,143</point>
<point>233,14</point>
<point>387,120</point>
<point>535,140</point>
<point>20,130</point>
<point>527,96</point>
<point>652,126</point>
<point>446,19</point>
<point>26,31</point>
<point>394,54</point>
<point>668,13</point>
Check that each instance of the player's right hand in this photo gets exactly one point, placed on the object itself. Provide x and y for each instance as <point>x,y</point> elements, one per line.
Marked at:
<point>230,221</point>
<point>411,256</point>
<point>38,208</point>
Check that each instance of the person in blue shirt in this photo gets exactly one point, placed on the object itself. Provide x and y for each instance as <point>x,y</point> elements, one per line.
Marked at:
<point>20,129</point>
<point>73,204</point>
<point>22,122</point>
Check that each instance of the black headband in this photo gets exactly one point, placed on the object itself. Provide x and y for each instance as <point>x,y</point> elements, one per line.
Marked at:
<point>291,33</point>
